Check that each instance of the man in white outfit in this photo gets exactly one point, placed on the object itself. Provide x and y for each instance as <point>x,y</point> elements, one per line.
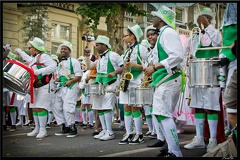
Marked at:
<point>205,99</point>
<point>167,56</point>
<point>108,66</point>
<point>69,73</point>
<point>43,67</point>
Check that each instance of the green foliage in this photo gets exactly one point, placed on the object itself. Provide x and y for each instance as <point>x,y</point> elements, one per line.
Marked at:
<point>91,12</point>
<point>35,21</point>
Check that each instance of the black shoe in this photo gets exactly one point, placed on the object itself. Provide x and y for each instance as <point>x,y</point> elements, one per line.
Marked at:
<point>29,123</point>
<point>162,154</point>
<point>90,126</point>
<point>158,143</point>
<point>164,147</point>
<point>138,138</point>
<point>5,127</point>
<point>95,133</point>
<point>126,139</point>
<point>13,128</point>
<point>72,131</point>
<point>170,155</point>
<point>64,131</point>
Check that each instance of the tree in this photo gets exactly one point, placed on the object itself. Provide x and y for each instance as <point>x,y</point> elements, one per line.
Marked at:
<point>35,21</point>
<point>114,13</point>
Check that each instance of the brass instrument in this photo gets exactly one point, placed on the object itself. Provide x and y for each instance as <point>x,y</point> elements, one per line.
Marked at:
<point>126,74</point>
<point>147,79</point>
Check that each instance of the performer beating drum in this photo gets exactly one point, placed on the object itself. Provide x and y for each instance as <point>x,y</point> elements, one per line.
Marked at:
<point>205,98</point>
<point>43,65</point>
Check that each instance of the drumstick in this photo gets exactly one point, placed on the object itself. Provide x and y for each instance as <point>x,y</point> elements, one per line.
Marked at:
<point>101,76</point>
<point>211,48</point>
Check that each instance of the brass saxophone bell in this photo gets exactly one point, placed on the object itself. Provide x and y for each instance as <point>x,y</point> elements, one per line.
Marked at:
<point>128,76</point>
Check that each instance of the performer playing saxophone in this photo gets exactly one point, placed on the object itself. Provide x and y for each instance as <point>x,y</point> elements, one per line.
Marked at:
<point>132,36</point>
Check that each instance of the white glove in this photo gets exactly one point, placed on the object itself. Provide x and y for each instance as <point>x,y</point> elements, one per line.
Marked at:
<point>36,72</point>
<point>18,50</point>
<point>8,46</point>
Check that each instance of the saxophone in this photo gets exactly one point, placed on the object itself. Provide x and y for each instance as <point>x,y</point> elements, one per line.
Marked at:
<point>126,74</point>
<point>147,79</point>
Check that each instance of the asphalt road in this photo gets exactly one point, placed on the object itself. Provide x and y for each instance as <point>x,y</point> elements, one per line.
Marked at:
<point>17,144</point>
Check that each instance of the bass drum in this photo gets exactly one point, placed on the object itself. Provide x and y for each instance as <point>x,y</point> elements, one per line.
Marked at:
<point>16,78</point>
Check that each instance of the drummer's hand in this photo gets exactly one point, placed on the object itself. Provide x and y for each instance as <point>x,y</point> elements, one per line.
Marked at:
<point>36,72</point>
<point>7,47</point>
<point>18,50</point>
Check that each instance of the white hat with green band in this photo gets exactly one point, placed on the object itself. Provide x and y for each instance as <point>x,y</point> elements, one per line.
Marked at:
<point>207,11</point>
<point>67,44</point>
<point>103,40</point>
<point>38,44</point>
<point>166,14</point>
<point>149,28</point>
<point>55,57</point>
<point>137,31</point>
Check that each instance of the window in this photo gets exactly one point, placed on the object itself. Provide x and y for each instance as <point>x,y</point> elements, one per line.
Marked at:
<point>60,32</point>
<point>179,15</point>
<point>149,16</point>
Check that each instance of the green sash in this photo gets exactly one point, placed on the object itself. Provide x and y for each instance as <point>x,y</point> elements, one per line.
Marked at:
<point>100,76</point>
<point>63,79</point>
<point>162,72</point>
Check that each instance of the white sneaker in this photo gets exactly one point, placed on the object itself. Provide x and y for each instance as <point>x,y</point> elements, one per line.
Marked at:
<point>102,133</point>
<point>34,132</point>
<point>42,133</point>
<point>195,143</point>
<point>107,136</point>
<point>212,143</point>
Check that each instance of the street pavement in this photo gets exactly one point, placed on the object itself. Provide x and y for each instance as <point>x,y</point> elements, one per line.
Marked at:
<point>17,144</point>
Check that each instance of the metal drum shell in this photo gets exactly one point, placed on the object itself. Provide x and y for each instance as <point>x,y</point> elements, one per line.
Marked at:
<point>140,96</point>
<point>94,89</point>
<point>203,73</point>
<point>16,78</point>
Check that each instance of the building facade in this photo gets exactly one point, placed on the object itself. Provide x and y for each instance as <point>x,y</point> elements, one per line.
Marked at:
<point>64,23</point>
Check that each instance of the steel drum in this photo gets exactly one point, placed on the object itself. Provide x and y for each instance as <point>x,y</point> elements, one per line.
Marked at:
<point>203,73</point>
<point>140,96</point>
<point>16,78</point>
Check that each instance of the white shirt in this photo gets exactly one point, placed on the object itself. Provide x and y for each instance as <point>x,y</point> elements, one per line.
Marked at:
<point>76,67</point>
<point>171,44</point>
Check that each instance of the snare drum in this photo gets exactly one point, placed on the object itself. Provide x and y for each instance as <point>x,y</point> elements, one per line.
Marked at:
<point>140,96</point>
<point>94,89</point>
<point>203,73</point>
<point>16,78</point>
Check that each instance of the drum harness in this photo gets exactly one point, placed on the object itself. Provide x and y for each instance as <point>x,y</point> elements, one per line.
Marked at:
<point>39,65</point>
